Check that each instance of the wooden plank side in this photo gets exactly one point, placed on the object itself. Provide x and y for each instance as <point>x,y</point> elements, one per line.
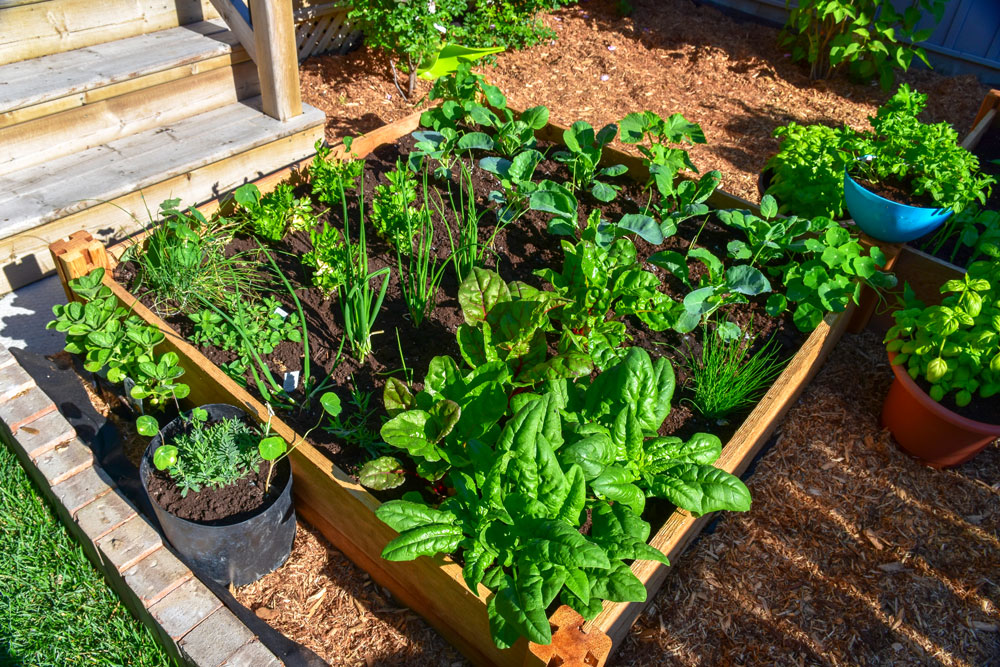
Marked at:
<point>75,130</point>
<point>979,131</point>
<point>44,28</point>
<point>26,257</point>
<point>277,61</point>
<point>682,527</point>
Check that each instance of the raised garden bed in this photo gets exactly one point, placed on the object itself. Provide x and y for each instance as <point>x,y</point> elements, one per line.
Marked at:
<point>332,500</point>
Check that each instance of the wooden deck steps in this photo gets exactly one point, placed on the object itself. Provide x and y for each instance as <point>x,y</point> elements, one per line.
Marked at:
<point>109,107</point>
<point>41,86</point>
<point>111,188</point>
<point>34,29</point>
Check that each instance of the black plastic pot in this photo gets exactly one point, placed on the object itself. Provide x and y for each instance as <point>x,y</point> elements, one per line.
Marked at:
<point>238,553</point>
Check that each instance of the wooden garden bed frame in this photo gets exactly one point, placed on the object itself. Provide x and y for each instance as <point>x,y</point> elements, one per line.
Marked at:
<point>343,511</point>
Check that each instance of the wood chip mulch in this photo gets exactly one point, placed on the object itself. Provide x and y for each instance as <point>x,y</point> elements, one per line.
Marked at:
<point>853,553</point>
<point>670,56</point>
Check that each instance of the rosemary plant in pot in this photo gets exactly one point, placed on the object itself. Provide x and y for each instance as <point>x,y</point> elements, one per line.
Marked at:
<point>221,489</point>
<point>943,405</point>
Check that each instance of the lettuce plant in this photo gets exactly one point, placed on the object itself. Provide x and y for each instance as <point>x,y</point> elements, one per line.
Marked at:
<point>955,346</point>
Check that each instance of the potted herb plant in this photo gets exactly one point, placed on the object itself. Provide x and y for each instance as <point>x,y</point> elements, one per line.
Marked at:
<point>909,177</point>
<point>899,180</point>
<point>221,489</point>
<point>942,405</point>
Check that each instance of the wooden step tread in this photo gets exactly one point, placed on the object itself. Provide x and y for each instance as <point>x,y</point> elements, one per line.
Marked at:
<point>29,82</point>
<point>36,195</point>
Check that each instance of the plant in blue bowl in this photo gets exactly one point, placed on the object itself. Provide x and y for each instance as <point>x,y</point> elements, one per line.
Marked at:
<point>910,177</point>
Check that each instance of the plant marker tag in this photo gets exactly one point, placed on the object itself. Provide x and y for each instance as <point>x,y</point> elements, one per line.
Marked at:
<point>291,381</point>
<point>281,312</point>
<point>127,384</point>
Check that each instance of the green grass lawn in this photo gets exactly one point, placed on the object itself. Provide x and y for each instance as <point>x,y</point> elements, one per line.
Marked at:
<point>55,608</point>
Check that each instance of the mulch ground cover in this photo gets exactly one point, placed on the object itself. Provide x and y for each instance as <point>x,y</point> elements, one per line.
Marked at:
<point>853,552</point>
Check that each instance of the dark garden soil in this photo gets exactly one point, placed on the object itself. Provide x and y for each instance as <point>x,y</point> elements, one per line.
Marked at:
<point>897,191</point>
<point>985,410</point>
<point>519,249</point>
<point>220,506</point>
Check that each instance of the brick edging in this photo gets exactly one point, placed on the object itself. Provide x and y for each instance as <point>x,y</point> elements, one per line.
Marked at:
<point>189,621</point>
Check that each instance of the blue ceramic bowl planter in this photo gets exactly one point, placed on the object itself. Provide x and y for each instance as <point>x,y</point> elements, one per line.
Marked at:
<point>886,220</point>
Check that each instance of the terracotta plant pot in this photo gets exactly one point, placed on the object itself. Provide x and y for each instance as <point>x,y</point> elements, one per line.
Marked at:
<point>928,430</point>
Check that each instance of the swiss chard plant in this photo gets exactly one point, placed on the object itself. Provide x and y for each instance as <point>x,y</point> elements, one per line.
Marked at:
<point>583,157</point>
<point>528,469</point>
<point>954,346</point>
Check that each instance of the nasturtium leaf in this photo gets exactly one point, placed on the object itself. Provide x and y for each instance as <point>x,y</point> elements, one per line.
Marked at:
<point>331,403</point>
<point>271,448</point>
<point>147,426</point>
<point>807,317</point>
<point>382,473</point>
<point>776,304</point>
<point>164,457</point>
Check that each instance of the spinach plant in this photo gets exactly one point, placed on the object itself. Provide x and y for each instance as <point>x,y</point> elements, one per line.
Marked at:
<point>955,346</point>
<point>528,471</point>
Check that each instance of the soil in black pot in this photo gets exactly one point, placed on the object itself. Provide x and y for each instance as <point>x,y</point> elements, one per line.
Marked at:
<point>229,504</point>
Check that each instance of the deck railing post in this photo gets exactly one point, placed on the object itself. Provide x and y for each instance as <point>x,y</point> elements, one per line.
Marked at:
<point>277,57</point>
